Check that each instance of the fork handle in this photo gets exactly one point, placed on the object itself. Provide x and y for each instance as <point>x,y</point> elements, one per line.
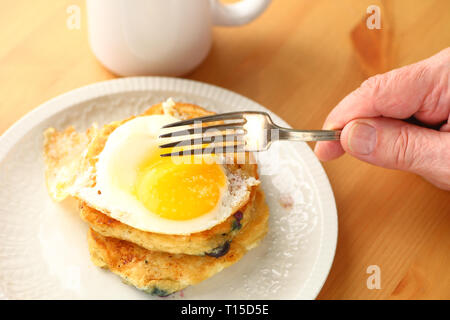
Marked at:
<point>309,135</point>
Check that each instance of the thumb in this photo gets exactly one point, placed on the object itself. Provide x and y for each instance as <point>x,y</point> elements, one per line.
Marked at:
<point>395,144</point>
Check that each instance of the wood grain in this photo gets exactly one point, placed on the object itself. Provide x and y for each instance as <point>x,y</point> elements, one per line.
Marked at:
<point>299,59</point>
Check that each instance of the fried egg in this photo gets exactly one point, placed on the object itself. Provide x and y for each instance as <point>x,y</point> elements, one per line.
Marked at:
<point>136,186</point>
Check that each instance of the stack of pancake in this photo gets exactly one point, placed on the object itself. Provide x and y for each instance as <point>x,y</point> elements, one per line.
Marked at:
<point>157,263</point>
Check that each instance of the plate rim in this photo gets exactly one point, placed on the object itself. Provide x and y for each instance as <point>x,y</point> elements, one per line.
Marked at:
<point>329,235</point>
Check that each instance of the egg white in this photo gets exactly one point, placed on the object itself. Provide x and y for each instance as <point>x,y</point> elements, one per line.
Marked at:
<point>116,172</point>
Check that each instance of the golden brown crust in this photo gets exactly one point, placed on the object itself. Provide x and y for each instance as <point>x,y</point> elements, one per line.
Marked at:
<point>195,244</point>
<point>183,110</point>
<point>162,273</point>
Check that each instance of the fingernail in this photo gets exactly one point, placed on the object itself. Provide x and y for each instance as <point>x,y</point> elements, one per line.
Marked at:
<point>362,138</point>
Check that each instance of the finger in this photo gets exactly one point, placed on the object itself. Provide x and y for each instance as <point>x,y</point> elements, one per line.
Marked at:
<point>328,150</point>
<point>445,127</point>
<point>395,144</point>
<point>419,89</point>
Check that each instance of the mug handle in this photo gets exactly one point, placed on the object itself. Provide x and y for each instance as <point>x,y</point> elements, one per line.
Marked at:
<point>236,14</point>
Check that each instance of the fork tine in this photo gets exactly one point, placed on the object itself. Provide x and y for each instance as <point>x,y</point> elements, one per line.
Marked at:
<point>201,140</point>
<point>208,150</point>
<point>190,131</point>
<point>212,118</point>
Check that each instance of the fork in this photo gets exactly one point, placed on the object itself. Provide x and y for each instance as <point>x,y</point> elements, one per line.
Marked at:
<point>247,131</point>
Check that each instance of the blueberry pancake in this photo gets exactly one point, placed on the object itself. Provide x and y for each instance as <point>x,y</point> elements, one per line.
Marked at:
<point>161,225</point>
<point>63,167</point>
<point>162,273</point>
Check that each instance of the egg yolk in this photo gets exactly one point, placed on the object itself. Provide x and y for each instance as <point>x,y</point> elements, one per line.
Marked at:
<point>179,191</point>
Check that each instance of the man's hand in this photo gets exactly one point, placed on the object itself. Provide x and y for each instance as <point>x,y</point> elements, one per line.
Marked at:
<point>373,129</point>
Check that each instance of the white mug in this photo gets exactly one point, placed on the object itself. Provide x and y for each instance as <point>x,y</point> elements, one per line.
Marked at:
<point>160,37</point>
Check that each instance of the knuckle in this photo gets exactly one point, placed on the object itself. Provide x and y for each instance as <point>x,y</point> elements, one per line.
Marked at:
<point>370,89</point>
<point>419,71</point>
<point>438,95</point>
<point>373,84</point>
<point>376,91</point>
<point>404,149</point>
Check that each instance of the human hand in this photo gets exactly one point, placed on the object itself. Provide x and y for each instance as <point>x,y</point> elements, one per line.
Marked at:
<point>372,126</point>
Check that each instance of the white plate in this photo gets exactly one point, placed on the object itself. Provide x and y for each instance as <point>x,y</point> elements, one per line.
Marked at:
<point>43,249</point>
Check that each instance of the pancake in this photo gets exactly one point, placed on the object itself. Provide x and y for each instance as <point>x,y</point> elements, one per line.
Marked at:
<point>200,243</point>
<point>162,273</point>
<point>70,154</point>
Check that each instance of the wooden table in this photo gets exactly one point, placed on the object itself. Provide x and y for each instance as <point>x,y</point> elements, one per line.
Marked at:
<point>299,59</point>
